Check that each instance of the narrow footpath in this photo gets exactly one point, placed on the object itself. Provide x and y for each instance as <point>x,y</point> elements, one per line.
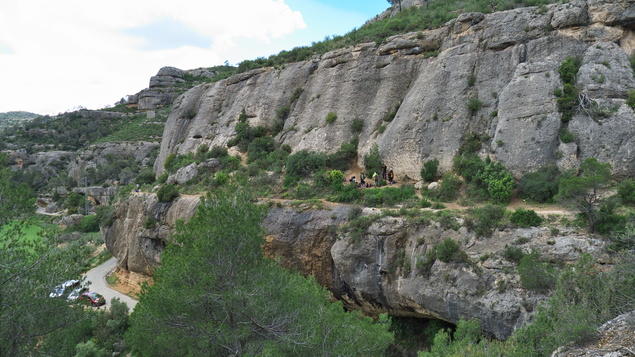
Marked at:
<point>96,278</point>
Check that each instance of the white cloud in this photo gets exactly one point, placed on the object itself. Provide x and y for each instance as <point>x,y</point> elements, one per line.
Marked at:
<point>55,55</point>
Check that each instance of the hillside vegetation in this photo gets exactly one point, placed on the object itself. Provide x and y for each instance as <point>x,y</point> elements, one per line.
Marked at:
<point>216,294</point>
<point>10,118</point>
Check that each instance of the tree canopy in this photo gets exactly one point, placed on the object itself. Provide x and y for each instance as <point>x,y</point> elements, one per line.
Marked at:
<point>583,191</point>
<point>215,294</point>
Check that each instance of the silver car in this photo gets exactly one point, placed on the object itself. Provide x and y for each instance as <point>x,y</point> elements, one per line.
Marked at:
<point>63,288</point>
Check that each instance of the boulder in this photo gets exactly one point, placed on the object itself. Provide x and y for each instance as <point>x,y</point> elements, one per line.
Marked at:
<point>183,175</point>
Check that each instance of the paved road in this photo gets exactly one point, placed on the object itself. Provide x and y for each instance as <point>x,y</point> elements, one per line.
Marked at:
<point>97,279</point>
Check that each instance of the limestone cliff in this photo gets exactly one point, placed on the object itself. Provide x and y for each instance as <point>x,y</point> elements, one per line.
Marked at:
<point>141,228</point>
<point>505,64</point>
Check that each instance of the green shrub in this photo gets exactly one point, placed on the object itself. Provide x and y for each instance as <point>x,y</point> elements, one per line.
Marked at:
<point>150,223</point>
<point>245,134</point>
<point>471,80</point>
<point>347,193</point>
<point>89,224</point>
<point>541,185</point>
<point>630,101</point>
<point>487,219</point>
<point>259,148</point>
<point>167,193</point>
<point>296,94</point>
<point>169,160</point>
<point>450,251</point>
<point>534,274</point>
<point>357,227</point>
<point>429,171</point>
<point>424,264</point>
<point>331,117</point>
<point>218,152</point>
<point>623,240</point>
<point>525,218</point>
<point>283,113</point>
<point>373,197</point>
<point>568,100</point>
<point>513,254</point>
<point>341,159</point>
<point>388,117</point>
<point>372,161</point>
<point>357,125</point>
<point>334,177</point>
<point>567,136</point>
<point>473,106</point>
<point>569,69</point>
<point>303,163</point>
<point>145,177</point>
<point>468,166</point>
<point>221,178</point>
<point>626,191</point>
<point>304,191</point>
<point>393,195</point>
<point>105,215</point>
<point>74,200</point>
<point>201,154</point>
<point>498,181</point>
<point>163,178</point>
<point>449,188</point>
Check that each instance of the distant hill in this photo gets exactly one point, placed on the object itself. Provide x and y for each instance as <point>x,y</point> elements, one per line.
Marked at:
<point>10,118</point>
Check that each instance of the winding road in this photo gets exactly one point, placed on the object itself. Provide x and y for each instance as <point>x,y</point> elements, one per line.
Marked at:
<point>96,279</point>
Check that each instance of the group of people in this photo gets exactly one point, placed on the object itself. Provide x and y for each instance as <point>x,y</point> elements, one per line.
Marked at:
<point>386,175</point>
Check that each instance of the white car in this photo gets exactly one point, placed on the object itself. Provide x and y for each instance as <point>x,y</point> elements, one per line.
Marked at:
<point>75,293</point>
<point>63,288</point>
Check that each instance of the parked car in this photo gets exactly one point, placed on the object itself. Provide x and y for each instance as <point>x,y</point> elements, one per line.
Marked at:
<point>63,288</point>
<point>93,298</point>
<point>74,295</point>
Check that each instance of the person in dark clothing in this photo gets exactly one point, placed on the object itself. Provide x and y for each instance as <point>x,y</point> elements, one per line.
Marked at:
<point>383,172</point>
<point>391,177</point>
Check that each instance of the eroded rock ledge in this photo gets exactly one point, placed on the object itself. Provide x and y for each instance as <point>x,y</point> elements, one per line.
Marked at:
<point>377,271</point>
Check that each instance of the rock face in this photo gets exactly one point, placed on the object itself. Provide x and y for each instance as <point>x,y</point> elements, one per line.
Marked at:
<point>493,75</point>
<point>379,270</point>
<point>98,155</point>
<point>141,228</point>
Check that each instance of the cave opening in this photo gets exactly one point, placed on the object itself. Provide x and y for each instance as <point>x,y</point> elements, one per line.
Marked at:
<point>414,334</point>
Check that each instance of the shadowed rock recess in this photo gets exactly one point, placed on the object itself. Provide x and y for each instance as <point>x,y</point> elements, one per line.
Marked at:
<point>493,75</point>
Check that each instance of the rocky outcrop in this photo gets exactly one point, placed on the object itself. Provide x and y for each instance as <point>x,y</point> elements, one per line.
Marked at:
<point>184,174</point>
<point>380,268</point>
<point>103,154</point>
<point>97,195</point>
<point>164,87</point>
<point>616,339</point>
<point>491,74</point>
<point>141,228</point>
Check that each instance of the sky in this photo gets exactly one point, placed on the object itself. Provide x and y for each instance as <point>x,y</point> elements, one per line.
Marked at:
<point>58,56</point>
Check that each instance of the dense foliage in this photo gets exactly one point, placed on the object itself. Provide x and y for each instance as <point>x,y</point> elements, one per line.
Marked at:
<point>240,303</point>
